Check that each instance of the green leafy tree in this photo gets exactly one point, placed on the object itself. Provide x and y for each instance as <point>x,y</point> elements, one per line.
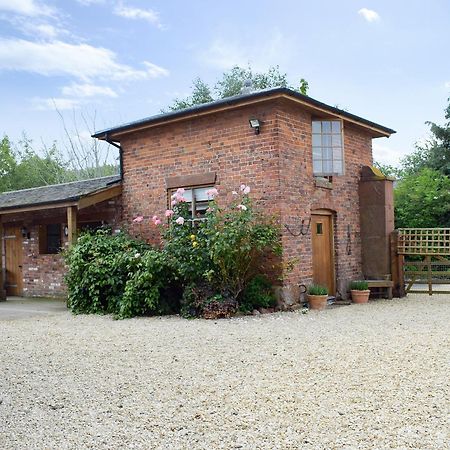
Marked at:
<point>232,83</point>
<point>435,152</point>
<point>33,170</point>
<point>423,200</point>
<point>201,93</point>
<point>7,165</point>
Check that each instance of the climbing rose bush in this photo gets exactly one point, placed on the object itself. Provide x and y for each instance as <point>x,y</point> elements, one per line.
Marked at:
<point>222,250</point>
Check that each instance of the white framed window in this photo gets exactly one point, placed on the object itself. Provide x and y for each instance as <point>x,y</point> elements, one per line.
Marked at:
<point>327,148</point>
<point>197,199</point>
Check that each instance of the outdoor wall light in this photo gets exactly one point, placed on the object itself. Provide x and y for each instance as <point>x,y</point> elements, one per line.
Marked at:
<point>66,231</point>
<point>255,124</point>
<point>25,233</point>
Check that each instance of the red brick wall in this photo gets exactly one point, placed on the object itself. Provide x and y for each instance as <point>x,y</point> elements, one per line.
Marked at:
<point>277,164</point>
<point>222,143</point>
<point>302,196</point>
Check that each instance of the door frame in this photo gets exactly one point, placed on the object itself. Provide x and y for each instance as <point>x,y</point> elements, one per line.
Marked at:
<point>331,215</point>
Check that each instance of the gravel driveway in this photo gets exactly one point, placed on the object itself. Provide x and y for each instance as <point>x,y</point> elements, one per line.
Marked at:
<point>353,377</point>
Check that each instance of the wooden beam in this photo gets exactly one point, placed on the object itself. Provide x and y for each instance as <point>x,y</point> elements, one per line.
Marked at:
<point>98,197</point>
<point>38,207</point>
<point>72,223</point>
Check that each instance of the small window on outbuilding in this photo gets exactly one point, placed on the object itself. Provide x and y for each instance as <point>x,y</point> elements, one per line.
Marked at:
<point>50,239</point>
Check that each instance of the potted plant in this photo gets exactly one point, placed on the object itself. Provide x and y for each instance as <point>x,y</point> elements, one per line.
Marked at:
<point>360,291</point>
<point>317,296</point>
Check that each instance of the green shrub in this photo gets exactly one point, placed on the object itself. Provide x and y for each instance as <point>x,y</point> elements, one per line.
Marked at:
<point>115,274</point>
<point>359,285</point>
<point>257,294</point>
<point>317,289</point>
<point>212,260</point>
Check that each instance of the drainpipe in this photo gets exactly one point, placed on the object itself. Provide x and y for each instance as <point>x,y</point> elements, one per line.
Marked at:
<point>114,144</point>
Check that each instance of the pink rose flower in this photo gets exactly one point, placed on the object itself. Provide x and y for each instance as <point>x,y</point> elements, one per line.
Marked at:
<point>180,191</point>
<point>156,220</point>
<point>241,207</point>
<point>169,213</point>
<point>180,221</point>
<point>247,190</point>
<point>211,193</point>
<point>243,186</point>
<point>138,219</point>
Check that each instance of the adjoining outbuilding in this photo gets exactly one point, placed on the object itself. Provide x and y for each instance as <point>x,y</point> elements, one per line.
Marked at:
<point>37,223</point>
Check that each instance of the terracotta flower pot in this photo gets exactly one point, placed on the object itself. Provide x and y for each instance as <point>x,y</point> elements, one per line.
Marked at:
<point>318,302</point>
<point>360,296</point>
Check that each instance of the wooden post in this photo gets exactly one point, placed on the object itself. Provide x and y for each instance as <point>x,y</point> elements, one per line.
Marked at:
<point>397,260</point>
<point>430,281</point>
<point>72,223</point>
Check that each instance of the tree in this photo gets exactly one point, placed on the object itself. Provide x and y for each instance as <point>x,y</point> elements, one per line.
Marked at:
<point>233,82</point>
<point>422,192</point>
<point>7,165</point>
<point>423,200</point>
<point>33,169</point>
<point>435,152</point>
<point>86,157</point>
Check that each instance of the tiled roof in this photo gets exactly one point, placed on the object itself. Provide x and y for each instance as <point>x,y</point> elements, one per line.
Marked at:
<point>56,193</point>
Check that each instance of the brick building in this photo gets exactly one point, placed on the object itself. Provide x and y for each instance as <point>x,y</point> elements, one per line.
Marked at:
<point>302,159</point>
<point>37,223</point>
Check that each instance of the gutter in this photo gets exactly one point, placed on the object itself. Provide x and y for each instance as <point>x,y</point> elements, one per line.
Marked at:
<point>114,144</point>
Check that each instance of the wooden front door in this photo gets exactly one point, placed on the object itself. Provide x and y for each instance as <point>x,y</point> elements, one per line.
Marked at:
<point>13,261</point>
<point>323,251</point>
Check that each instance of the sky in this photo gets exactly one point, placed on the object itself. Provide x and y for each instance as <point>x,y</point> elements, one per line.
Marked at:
<point>101,63</point>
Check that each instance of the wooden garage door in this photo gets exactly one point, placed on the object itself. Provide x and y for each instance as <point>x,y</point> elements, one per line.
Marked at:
<point>13,261</point>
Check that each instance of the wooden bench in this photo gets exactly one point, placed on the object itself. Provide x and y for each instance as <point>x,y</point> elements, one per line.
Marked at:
<point>384,284</point>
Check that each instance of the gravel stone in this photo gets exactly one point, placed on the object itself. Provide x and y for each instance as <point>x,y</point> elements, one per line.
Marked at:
<point>369,376</point>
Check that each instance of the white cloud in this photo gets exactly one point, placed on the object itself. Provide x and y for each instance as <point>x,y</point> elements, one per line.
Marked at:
<point>130,12</point>
<point>43,30</point>
<point>61,104</point>
<point>369,14</point>
<point>447,84</point>
<point>81,61</point>
<point>224,53</point>
<point>26,7</point>
<point>87,90</point>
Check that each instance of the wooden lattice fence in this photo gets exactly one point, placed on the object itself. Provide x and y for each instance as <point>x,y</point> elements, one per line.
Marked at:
<point>424,255</point>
